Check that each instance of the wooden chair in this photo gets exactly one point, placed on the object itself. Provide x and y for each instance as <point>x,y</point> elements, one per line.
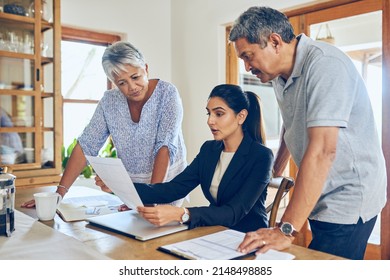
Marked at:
<point>283,186</point>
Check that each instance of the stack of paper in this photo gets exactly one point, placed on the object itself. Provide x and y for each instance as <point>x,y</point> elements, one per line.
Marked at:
<point>216,246</point>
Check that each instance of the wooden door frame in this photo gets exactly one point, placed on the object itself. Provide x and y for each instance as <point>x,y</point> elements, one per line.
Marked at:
<point>301,17</point>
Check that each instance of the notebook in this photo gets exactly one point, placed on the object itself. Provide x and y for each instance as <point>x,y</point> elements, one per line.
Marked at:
<point>130,223</point>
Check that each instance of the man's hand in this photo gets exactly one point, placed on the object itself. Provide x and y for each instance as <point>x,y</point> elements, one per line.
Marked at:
<point>264,239</point>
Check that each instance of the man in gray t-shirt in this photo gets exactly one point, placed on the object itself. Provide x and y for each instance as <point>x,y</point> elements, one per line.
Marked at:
<point>328,129</point>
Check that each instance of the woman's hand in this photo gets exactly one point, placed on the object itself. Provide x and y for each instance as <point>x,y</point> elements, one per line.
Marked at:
<point>100,183</point>
<point>161,214</point>
<point>123,207</point>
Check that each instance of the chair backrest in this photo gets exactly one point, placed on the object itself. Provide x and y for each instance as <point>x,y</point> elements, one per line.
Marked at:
<point>283,186</point>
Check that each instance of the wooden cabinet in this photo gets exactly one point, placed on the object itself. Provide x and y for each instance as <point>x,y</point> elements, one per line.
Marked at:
<point>30,97</point>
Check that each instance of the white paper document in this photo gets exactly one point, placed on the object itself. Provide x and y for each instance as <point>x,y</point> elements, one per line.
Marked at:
<point>274,255</point>
<point>216,246</point>
<point>114,174</point>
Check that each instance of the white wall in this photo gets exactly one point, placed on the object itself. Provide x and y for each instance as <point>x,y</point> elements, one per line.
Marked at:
<point>146,24</point>
<point>198,55</point>
<point>198,60</point>
<point>182,40</point>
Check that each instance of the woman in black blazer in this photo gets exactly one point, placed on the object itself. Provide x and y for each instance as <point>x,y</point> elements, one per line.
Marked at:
<point>233,170</point>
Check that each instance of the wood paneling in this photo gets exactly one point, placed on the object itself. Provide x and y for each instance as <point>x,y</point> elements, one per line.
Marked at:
<point>232,66</point>
<point>343,11</point>
<point>385,215</point>
<point>87,36</point>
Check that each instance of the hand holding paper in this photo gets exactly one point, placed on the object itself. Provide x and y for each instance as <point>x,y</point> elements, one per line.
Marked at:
<point>115,176</point>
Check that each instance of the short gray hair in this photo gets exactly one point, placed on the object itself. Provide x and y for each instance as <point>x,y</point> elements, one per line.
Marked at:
<point>118,55</point>
<point>257,23</point>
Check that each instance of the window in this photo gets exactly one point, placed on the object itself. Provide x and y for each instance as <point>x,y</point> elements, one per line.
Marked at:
<point>269,105</point>
<point>83,78</point>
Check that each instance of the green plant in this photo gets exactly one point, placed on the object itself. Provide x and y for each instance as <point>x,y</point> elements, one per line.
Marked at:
<point>107,151</point>
<point>65,155</point>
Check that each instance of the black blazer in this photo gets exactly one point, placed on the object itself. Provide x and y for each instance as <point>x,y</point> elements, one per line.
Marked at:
<point>241,194</point>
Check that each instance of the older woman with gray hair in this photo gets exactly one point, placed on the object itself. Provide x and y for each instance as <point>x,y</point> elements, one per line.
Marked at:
<point>143,116</point>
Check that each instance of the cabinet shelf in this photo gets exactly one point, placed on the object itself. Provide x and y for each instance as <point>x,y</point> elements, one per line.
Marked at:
<point>45,25</point>
<point>12,19</point>
<point>46,60</point>
<point>19,129</point>
<point>23,22</point>
<point>47,94</point>
<point>16,55</point>
<point>17,92</point>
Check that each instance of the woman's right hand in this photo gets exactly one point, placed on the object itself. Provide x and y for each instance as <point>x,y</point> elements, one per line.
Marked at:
<point>100,183</point>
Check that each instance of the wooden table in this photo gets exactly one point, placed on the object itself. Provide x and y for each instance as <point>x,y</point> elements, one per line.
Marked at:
<point>120,247</point>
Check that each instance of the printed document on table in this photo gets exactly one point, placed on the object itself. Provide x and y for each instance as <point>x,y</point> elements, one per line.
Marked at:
<point>114,174</point>
<point>275,255</point>
<point>216,246</point>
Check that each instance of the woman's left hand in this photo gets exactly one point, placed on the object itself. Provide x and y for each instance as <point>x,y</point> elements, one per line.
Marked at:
<point>161,214</point>
<point>99,182</point>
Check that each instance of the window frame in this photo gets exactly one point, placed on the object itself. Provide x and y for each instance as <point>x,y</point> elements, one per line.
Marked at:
<point>89,37</point>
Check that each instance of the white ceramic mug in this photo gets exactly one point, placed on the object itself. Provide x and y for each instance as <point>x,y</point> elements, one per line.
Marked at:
<point>46,204</point>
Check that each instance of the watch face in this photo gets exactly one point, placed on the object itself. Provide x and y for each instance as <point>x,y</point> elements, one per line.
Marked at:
<point>185,217</point>
<point>287,228</point>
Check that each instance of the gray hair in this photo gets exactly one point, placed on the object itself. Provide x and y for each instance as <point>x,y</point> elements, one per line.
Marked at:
<point>257,23</point>
<point>118,55</point>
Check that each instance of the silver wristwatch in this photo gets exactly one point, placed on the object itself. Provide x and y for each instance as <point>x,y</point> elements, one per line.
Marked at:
<point>287,229</point>
<point>185,217</point>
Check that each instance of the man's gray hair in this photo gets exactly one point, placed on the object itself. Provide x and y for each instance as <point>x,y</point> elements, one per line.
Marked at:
<point>257,23</point>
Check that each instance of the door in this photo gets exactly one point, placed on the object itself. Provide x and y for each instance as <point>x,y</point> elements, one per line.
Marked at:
<point>370,49</point>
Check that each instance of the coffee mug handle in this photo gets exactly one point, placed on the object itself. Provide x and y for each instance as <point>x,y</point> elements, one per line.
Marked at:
<point>59,199</point>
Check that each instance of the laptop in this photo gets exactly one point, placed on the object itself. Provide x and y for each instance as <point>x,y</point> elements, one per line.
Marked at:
<point>130,223</point>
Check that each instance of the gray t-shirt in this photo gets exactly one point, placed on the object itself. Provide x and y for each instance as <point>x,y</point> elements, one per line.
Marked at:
<point>325,89</point>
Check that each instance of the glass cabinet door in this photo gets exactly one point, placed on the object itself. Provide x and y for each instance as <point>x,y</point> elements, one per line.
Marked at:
<point>29,82</point>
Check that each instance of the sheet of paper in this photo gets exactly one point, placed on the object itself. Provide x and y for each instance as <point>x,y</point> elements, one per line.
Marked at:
<point>216,246</point>
<point>114,175</point>
<point>275,255</point>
